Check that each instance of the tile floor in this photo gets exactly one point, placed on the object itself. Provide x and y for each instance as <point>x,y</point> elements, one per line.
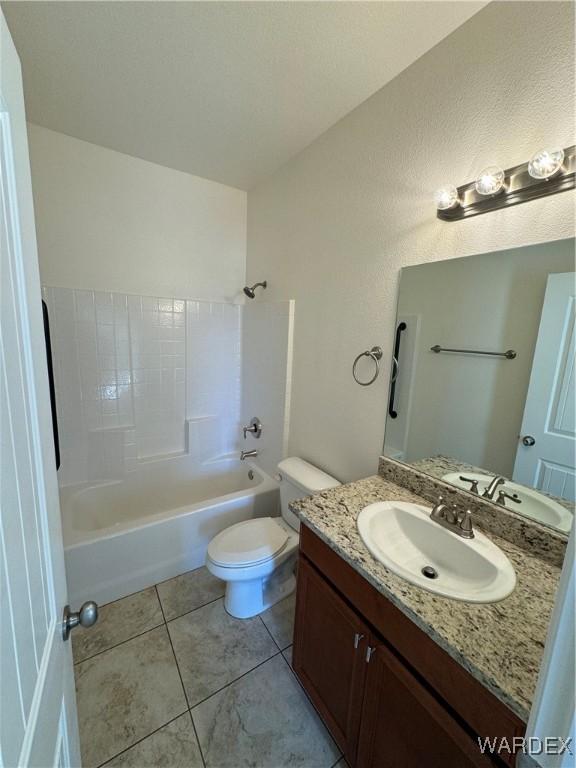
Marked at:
<point>168,679</point>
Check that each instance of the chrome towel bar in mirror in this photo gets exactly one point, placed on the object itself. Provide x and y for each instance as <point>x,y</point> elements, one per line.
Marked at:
<point>510,354</point>
<point>376,354</point>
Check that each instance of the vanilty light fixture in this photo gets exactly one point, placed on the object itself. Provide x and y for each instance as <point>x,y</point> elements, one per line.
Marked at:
<point>545,163</point>
<point>490,181</point>
<point>549,171</point>
<point>446,197</point>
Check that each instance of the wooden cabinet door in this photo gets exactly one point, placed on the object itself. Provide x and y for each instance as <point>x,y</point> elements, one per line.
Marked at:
<point>330,643</point>
<point>404,726</point>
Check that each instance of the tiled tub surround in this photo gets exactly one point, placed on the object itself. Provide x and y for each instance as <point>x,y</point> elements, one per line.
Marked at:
<point>500,644</point>
<point>167,677</point>
<point>148,398</point>
<point>543,542</point>
<point>129,372</point>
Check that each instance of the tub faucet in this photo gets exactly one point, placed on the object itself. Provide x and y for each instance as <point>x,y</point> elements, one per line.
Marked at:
<point>247,455</point>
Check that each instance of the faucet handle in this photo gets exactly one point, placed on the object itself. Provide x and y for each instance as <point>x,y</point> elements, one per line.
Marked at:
<point>502,496</point>
<point>255,428</point>
<point>473,483</point>
<point>439,509</point>
<point>452,515</point>
<point>466,525</point>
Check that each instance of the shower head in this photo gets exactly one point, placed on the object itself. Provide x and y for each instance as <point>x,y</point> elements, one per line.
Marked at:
<point>250,291</point>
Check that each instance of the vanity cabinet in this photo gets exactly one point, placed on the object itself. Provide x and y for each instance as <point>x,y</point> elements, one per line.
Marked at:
<point>329,655</point>
<point>390,696</point>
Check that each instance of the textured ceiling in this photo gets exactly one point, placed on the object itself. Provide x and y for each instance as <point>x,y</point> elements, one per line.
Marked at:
<point>225,90</point>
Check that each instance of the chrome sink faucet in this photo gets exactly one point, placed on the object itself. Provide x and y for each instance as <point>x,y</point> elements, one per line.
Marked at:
<point>491,489</point>
<point>459,523</point>
<point>248,455</point>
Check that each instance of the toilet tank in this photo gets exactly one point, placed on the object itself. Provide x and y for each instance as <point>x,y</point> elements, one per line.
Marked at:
<point>298,479</point>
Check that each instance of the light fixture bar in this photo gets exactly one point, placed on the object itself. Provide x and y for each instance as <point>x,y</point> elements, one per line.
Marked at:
<point>519,187</point>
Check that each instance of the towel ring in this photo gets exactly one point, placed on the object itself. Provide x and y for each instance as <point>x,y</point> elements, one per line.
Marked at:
<point>376,354</point>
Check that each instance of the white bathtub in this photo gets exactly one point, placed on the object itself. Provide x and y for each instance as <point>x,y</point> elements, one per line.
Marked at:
<point>156,522</point>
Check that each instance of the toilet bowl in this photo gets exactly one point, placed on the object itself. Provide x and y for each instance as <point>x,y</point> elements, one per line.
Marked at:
<point>256,558</point>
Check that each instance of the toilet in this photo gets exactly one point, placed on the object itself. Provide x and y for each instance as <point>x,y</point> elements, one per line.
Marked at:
<point>256,558</point>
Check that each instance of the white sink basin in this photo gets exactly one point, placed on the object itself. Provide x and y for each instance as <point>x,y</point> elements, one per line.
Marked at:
<point>533,504</point>
<point>404,539</point>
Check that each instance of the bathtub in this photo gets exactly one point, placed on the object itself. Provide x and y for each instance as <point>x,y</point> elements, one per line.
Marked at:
<point>156,522</point>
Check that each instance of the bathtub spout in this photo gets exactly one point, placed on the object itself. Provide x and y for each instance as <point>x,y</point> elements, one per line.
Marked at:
<point>247,455</point>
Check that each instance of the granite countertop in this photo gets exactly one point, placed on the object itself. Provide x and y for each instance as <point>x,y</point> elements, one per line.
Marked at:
<point>500,644</point>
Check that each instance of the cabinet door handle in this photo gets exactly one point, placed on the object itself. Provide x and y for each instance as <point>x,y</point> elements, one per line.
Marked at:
<point>357,638</point>
<point>369,651</point>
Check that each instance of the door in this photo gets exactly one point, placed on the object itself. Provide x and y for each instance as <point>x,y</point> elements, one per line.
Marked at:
<point>37,705</point>
<point>330,644</point>
<point>404,726</point>
<point>547,446</point>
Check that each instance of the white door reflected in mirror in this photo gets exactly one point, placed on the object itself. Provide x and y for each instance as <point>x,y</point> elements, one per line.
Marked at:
<point>545,456</point>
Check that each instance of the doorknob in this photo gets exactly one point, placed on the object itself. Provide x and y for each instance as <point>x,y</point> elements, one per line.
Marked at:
<point>87,616</point>
<point>528,441</point>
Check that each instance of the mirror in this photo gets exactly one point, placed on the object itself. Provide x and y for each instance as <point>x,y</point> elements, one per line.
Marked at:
<point>482,390</point>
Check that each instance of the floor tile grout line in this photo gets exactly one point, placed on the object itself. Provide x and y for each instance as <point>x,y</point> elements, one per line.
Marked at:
<point>269,632</point>
<point>228,685</point>
<point>101,765</point>
<point>197,738</point>
<point>122,642</point>
<point>176,660</point>
<point>189,710</point>
<point>244,674</point>
<point>138,592</point>
<point>182,682</point>
<point>163,623</point>
<point>160,601</point>
<point>291,668</point>
<point>173,618</point>
<point>178,575</point>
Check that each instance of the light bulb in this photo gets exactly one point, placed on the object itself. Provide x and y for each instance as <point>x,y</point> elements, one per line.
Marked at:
<point>546,163</point>
<point>446,197</point>
<point>490,181</point>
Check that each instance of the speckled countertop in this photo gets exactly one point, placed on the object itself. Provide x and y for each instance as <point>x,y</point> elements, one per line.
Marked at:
<point>500,644</point>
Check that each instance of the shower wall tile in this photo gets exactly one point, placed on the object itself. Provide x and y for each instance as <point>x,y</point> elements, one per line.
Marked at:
<point>130,370</point>
<point>140,376</point>
<point>158,349</point>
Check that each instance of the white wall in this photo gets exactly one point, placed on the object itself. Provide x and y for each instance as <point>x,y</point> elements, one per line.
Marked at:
<point>109,222</point>
<point>267,330</point>
<point>334,225</point>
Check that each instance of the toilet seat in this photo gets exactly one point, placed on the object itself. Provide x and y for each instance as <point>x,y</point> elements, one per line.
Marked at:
<point>248,543</point>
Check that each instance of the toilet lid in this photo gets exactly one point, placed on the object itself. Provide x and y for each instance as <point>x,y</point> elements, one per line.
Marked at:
<point>247,543</point>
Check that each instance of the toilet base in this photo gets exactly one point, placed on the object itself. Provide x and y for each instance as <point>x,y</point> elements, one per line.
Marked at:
<point>245,599</point>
